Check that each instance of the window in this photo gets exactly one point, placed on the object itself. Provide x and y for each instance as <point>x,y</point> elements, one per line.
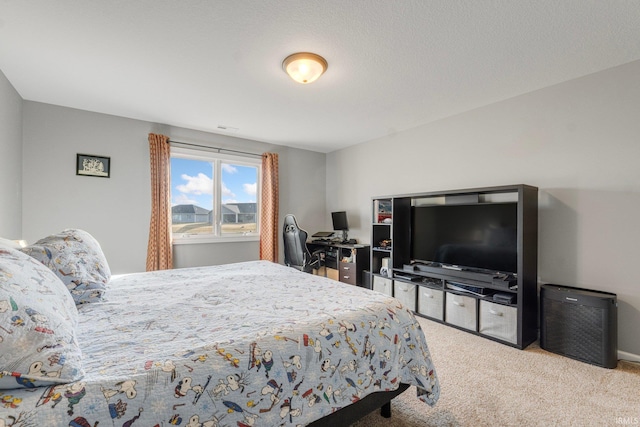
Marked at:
<point>214,197</point>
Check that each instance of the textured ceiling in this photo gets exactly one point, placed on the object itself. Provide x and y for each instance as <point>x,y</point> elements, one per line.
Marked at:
<point>393,65</point>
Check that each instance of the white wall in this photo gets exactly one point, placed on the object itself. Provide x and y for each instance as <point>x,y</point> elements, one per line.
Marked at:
<point>578,141</point>
<point>116,210</point>
<point>10,161</point>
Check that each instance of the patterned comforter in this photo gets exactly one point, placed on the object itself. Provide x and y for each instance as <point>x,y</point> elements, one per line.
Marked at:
<point>248,344</point>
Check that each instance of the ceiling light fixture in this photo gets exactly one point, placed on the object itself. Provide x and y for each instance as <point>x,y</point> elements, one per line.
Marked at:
<point>304,67</point>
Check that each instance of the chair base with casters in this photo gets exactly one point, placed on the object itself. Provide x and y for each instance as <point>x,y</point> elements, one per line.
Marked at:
<point>296,253</point>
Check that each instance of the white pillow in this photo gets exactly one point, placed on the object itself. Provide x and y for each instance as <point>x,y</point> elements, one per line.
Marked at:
<point>38,343</point>
<point>8,243</point>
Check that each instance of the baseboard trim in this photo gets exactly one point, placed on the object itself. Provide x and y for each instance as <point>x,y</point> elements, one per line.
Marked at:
<point>623,355</point>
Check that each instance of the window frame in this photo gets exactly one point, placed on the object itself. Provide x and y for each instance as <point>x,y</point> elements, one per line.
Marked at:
<point>218,158</point>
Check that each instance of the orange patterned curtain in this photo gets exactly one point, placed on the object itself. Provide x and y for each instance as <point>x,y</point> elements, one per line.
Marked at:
<point>269,208</point>
<point>159,256</point>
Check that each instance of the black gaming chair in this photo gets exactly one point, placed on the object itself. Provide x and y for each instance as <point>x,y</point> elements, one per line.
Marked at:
<point>296,253</point>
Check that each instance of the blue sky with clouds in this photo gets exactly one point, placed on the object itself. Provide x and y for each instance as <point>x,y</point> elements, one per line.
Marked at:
<point>192,183</point>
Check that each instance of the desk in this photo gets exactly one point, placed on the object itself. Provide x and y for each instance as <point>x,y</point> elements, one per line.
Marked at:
<point>347,260</point>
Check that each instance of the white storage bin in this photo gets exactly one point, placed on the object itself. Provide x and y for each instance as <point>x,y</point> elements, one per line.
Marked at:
<point>430,302</point>
<point>406,293</point>
<point>499,321</point>
<point>381,284</point>
<point>461,311</point>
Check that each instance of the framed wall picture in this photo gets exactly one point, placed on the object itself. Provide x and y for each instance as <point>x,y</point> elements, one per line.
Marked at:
<point>90,165</point>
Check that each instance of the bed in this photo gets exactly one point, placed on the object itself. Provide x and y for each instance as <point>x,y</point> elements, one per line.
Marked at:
<point>246,344</point>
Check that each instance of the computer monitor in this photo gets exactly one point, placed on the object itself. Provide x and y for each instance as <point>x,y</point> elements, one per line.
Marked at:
<point>340,223</point>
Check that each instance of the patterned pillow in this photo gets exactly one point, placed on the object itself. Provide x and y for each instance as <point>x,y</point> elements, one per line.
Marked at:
<point>38,317</point>
<point>77,259</point>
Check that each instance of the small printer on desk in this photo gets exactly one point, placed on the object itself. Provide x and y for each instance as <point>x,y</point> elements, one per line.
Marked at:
<point>322,234</point>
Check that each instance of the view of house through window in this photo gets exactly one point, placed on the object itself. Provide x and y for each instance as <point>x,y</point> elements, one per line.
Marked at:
<point>213,195</point>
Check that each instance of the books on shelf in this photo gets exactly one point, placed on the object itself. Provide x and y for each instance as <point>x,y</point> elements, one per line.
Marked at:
<point>382,211</point>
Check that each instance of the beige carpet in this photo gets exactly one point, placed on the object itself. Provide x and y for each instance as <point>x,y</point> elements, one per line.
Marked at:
<point>484,383</point>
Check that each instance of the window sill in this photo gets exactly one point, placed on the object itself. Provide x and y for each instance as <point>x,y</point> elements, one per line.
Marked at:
<point>192,240</point>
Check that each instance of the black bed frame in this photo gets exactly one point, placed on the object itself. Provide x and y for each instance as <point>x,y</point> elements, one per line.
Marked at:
<point>352,413</point>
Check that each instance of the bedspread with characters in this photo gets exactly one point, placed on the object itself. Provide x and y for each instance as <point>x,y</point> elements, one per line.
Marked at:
<point>247,344</point>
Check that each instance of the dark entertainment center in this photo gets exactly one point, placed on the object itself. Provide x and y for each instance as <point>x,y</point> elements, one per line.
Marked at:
<point>466,258</point>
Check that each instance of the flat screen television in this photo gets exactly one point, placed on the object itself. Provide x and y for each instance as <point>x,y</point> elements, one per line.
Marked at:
<point>474,236</point>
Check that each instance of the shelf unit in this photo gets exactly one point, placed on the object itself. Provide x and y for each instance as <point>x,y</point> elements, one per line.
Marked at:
<point>442,293</point>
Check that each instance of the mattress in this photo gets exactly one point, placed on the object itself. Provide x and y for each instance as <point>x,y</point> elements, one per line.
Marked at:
<point>246,344</point>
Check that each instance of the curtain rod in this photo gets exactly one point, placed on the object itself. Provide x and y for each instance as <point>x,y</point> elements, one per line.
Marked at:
<point>171,141</point>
